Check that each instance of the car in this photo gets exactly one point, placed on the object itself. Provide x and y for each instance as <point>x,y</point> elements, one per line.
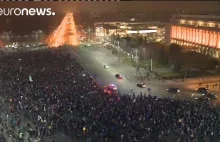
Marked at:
<point>197,94</point>
<point>203,90</point>
<point>141,85</point>
<point>106,66</point>
<point>173,90</point>
<point>211,96</point>
<point>88,45</point>
<point>202,99</point>
<point>119,76</point>
<point>111,89</point>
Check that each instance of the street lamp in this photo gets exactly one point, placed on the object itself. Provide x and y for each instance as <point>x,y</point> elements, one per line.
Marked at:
<point>132,19</point>
<point>136,57</point>
<point>118,47</point>
<point>89,30</point>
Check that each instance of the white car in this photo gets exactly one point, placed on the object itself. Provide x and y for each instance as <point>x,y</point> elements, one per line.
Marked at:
<point>141,85</point>
<point>106,66</point>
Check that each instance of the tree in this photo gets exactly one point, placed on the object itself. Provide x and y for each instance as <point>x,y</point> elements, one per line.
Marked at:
<point>145,39</point>
<point>118,37</point>
<point>136,41</point>
<point>214,63</point>
<point>140,41</point>
<point>113,37</point>
<point>175,52</point>
<point>162,57</point>
<point>127,39</point>
<point>177,67</point>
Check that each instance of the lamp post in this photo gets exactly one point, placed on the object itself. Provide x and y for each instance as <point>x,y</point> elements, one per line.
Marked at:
<point>136,57</point>
<point>151,64</point>
<point>89,30</point>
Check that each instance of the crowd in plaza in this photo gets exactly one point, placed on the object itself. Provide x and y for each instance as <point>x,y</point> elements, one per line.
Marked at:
<point>53,93</point>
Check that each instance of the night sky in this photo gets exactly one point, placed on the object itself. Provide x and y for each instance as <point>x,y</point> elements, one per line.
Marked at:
<point>108,11</point>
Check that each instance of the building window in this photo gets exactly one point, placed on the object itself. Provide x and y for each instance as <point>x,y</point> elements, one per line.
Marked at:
<point>200,23</point>
<point>191,22</point>
<point>182,21</point>
<point>211,24</point>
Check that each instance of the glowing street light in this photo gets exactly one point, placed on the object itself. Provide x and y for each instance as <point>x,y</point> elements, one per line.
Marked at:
<point>132,19</point>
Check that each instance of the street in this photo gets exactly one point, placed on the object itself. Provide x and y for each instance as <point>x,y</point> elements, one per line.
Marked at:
<point>94,59</point>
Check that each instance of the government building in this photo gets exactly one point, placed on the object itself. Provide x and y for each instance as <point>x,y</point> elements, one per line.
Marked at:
<point>200,33</point>
<point>109,28</point>
<point>153,30</point>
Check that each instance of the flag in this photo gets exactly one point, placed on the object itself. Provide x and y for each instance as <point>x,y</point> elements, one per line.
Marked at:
<point>30,78</point>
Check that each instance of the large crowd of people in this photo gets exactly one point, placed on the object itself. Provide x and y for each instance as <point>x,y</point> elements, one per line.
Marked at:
<point>54,93</point>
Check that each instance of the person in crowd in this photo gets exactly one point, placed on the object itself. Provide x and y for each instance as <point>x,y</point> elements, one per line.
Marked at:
<point>54,93</point>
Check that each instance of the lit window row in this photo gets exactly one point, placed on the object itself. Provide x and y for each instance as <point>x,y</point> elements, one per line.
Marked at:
<point>199,23</point>
<point>197,36</point>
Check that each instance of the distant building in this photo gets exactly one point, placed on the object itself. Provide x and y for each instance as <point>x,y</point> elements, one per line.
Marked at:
<point>154,28</point>
<point>199,32</point>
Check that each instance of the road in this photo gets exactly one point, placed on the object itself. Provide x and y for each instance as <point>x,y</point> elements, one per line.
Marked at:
<point>94,58</point>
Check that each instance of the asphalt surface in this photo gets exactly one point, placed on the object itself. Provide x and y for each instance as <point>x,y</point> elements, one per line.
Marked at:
<point>94,58</point>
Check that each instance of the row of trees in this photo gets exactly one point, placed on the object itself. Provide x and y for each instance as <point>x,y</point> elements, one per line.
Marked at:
<point>155,51</point>
<point>174,55</point>
<point>191,59</point>
<point>129,41</point>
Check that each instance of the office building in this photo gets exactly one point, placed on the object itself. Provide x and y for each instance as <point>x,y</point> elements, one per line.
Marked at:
<point>199,32</point>
<point>123,28</point>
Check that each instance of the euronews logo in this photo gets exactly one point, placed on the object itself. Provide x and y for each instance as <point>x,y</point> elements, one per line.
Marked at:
<point>26,12</point>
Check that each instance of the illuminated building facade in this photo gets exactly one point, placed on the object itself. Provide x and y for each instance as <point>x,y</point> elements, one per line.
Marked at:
<point>202,32</point>
<point>123,28</point>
